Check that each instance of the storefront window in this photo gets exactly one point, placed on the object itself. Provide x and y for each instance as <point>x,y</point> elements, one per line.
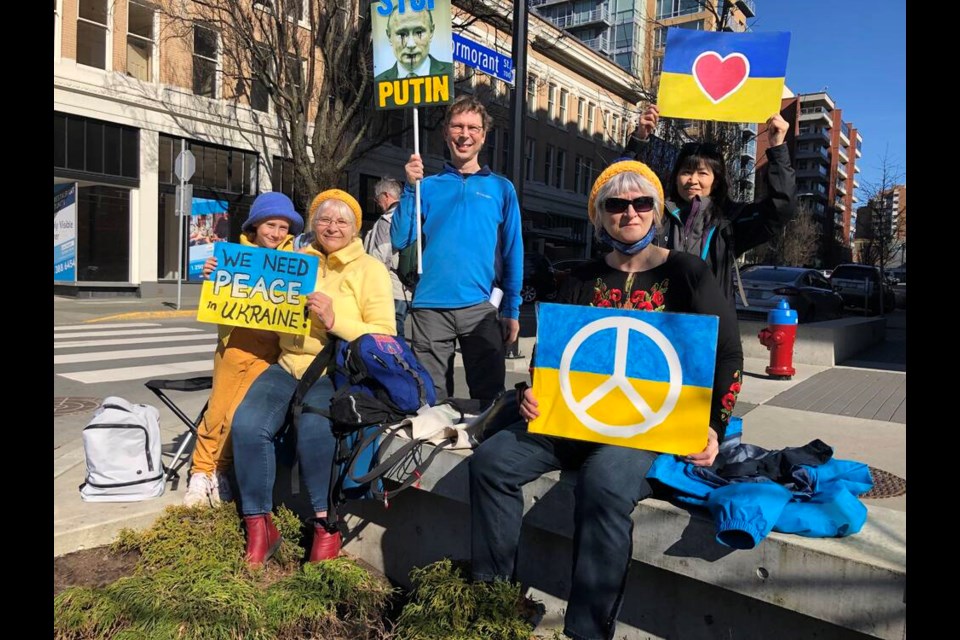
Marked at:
<point>103,234</point>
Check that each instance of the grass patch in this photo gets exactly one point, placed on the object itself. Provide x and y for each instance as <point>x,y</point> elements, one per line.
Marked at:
<point>191,583</point>
<point>445,605</point>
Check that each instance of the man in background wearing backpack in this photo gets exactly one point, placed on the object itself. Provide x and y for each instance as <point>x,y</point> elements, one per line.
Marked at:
<point>386,193</point>
<point>471,244</point>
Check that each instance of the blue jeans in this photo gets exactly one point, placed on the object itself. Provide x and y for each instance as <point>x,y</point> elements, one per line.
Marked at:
<point>256,423</point>
<point>402,307</point>
<point>610,483</point>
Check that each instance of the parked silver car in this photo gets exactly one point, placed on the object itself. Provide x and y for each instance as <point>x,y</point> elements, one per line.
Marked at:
<point>806,290</point>
<point>861,286</point>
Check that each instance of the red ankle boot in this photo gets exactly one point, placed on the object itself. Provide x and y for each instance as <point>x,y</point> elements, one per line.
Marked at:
<point>326,543</point>
<point>263,539</point>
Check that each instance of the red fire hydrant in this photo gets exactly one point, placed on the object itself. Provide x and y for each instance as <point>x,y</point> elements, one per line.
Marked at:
<point>779,337</point>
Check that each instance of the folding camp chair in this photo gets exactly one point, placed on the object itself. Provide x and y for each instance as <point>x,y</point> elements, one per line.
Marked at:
<point>158,387</point>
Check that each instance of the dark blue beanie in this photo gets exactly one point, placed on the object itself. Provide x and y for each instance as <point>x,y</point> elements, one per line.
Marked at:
<point>273,204</point>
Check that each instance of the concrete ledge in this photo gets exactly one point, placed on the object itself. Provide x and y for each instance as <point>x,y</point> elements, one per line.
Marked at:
<point>821,343</point>
<point>840,587</point>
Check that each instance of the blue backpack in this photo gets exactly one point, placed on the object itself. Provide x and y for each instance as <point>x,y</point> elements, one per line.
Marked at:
<point>378,380</point>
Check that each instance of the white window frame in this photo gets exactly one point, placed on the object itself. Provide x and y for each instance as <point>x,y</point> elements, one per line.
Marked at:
<point>552,102</point>
<point>581,113</point>
<point>218,61</point>
<point>560,168</point>
<point>530,159</point>
<point>270,5</point>
<point>548,159</point>
<point>270,108</point>
<point>564,97</point>
<point>591,119</point>
<point>57,28</point>
<point>154,53</point>
<point>108,53</point>
<point>532,95</point>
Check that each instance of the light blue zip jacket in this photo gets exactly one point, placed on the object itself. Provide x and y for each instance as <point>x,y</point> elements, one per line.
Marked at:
<point>821,503</point>
<point>471,239</point>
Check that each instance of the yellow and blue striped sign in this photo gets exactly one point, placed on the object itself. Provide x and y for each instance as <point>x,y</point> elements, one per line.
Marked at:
<point>729,77</point>
<point>641,379</point>
<point>259,288</point>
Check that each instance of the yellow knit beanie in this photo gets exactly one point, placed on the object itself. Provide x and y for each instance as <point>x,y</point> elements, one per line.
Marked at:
<point>335,194</point>
<point>616,168</point>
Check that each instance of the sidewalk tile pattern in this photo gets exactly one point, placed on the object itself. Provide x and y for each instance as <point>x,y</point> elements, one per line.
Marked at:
<point>874,395</point>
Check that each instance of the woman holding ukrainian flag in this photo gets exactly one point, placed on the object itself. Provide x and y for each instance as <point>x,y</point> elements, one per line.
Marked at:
<point>701,218</point>
<point>626,208</point>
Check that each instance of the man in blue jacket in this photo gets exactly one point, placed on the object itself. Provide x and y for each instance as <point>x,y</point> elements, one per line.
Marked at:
<point>472,244</point>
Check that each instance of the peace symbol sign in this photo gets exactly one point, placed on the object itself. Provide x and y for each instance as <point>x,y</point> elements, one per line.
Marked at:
<point>651,418</point>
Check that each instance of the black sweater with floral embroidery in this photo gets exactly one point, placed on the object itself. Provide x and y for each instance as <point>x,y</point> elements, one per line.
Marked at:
<point>683,284</point>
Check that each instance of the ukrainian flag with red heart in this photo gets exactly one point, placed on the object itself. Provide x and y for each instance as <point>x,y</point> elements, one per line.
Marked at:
<point>729,77</point>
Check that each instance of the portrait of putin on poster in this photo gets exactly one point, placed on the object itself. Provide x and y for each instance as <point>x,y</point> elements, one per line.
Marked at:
<point>412,53</point>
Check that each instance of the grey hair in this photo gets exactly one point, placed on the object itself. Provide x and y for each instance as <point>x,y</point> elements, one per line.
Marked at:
<point>387,185</point>
<point>626,181</point>
<point>340,207</point>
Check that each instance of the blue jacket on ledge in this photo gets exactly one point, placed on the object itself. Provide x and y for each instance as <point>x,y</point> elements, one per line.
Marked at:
<point>820,501</point>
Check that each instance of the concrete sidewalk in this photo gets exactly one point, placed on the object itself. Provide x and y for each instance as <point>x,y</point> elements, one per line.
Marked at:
<point>776,414</point>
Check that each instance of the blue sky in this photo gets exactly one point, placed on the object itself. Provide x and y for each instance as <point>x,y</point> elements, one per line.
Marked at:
<point>857,50</point>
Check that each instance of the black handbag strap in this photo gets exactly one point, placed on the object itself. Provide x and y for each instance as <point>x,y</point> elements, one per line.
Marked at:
<point>309,378</point>
<point>401,458</point>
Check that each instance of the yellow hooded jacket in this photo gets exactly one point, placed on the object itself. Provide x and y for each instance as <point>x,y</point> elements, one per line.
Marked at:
<point>362,295</point>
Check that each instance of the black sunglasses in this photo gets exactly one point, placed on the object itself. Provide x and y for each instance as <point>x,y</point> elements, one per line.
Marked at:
<point>619,205</point>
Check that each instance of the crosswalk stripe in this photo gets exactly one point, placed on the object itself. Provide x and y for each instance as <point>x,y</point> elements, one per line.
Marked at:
<point>91,327</point>
<point>104,334</point>
<point>135,373</point>
<point>130,354</point>
<point>119,341</point>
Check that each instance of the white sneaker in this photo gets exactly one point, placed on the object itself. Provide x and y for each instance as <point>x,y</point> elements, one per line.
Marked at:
<point>221,491</point>
<point>199,489</point>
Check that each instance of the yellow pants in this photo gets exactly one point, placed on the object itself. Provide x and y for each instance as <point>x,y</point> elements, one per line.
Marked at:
<point>237,363</point>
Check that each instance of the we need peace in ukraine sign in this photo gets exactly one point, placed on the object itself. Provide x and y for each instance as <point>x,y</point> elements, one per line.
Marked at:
<point>728,77</point>
<point>259,288</point>
<point>640,379</point>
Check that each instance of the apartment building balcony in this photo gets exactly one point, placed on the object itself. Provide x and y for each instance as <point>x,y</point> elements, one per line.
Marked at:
<point>842,170</point>
<point>842,187</point>
<point>817,154</point>
<point>839,204</point>
<point>844,133</point>
<point>854,199</point>
<point>600,15</point>
<point>842,152</point>
<point>815,135</point>
<point>817,173</point>
<point>600,43</point>
<point>859,154</point>
<point>542,3</point>
<point>748,151</point>
<point>856,185</point>
<point>856,168</point>
<point>811,189</point>
<point>816,114</point>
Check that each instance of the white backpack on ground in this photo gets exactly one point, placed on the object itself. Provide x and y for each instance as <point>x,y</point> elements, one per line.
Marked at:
<point>122,447</point>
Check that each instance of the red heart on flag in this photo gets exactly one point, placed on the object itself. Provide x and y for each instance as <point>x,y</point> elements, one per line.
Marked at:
<point>718,77</point>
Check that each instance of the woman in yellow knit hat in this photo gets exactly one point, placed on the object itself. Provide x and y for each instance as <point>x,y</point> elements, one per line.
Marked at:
<point>353,296</point>
<point>625,207</point>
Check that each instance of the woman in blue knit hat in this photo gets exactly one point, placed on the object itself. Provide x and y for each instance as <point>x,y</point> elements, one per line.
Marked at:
<point>242,355</point>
